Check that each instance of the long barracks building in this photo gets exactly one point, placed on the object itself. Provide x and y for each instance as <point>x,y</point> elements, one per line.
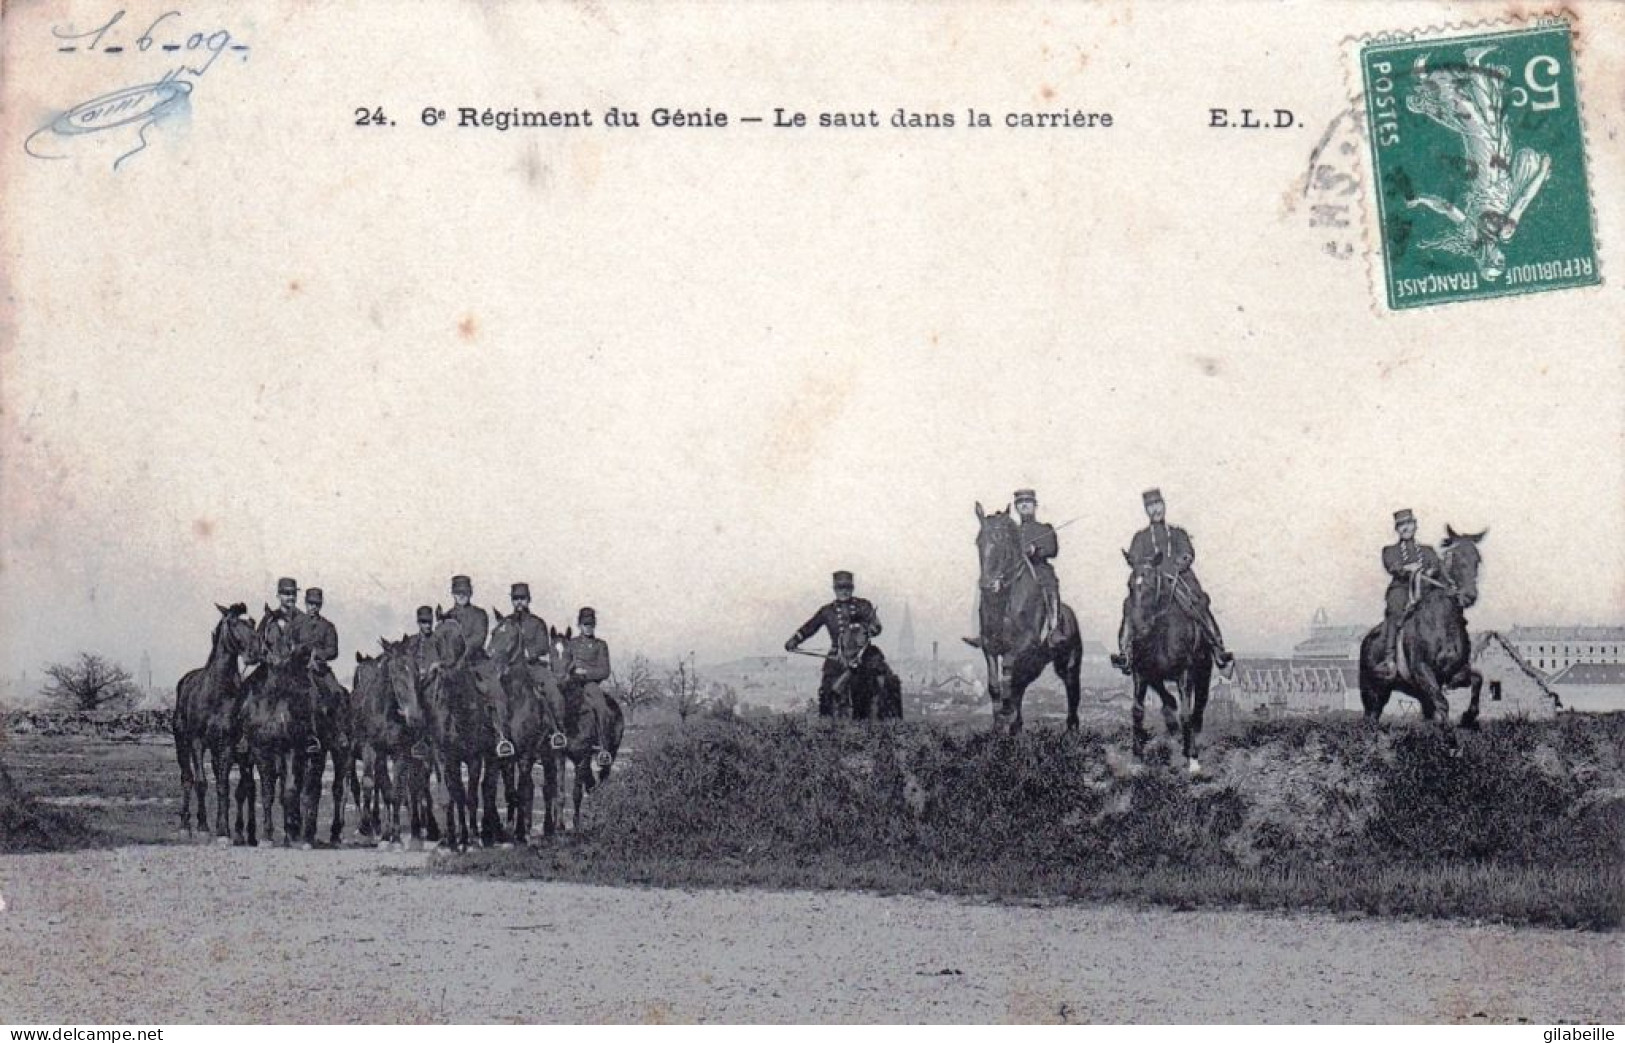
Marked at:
<point>1550,649</point>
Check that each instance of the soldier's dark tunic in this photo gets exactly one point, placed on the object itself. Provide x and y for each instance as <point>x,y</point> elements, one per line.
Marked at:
<point>589,668</point>
<point>475,625</point>
<point>533,638</point>
<point>1395,558</point>
<point>835,617</point>
<point>1041,537</point>
<point>321,637</point>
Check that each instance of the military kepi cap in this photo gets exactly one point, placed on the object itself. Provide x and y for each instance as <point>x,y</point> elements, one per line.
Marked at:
<point>425,614</point>
<point>462,585</point>
<point>587,617</point>
<point>1026,496</point>
<point>286,586</point>
<point>1403,516</point>
<point>1151,496</point>
<point>843,578</point>
<point>313,596</point>
<point>519,590</point>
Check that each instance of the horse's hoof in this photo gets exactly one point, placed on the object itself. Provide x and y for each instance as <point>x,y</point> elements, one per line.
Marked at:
<point>307,846</point>
<point>222,841</point>
<point>1195,766</point>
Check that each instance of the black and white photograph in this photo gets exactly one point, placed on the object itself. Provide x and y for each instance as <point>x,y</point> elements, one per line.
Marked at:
<point>596,512</point>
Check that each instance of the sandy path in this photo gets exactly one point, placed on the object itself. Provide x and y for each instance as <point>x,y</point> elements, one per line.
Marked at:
<point>172,934</point>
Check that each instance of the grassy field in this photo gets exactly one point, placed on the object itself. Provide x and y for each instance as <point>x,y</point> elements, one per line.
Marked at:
<point>1526,824</point>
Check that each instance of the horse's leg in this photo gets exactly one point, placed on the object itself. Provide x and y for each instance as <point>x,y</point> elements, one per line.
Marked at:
<point>580,788</point>
<point>220,763</point>
<point>1436,704</point>
<point>342,772</point>
<point>1068,665</point>
<point>1469,717</point>
<point>510,797</point>
<point>267,764</point>
<point>1140,734</point>
<point>1170,708</point>
<point>994,673</point>
<point>525,796</point>
<point>183,756</point>
<point>423,787</point>
<point>550,791</point>
<point>246,828</point>
<point>491,827</point>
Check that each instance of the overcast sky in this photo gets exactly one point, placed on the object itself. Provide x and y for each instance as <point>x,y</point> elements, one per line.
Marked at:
<point>682,376</point>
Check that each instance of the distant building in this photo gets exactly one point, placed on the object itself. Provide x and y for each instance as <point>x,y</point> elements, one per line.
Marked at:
<point>1328,640</point>
<point>1512,687</point>
<point>1551,649</point>
<point>1291,685</point>
<point>1591,687</point>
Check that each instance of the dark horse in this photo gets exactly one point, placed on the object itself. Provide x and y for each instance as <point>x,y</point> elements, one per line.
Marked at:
<point>1169,647</point>
<point>460,727</point>
<point>1010,615</point>
<point>528,700</point>
<point>593,740</point>
<point>277,723</point>
<point>391,729</point>
<point>867,687</point>
<point>1434,651</point>
<point>208,702</point>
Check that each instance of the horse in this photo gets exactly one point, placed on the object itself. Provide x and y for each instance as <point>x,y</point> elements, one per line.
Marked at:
<point>1169,647</point>
<point>460,726</point>
<point>593,740</point>
<point>1010,616</point>
<point>1434,652</point>
<point>390,725</point>
<point>530,705</point>
<point>276,725</point>
<point>208,701</point>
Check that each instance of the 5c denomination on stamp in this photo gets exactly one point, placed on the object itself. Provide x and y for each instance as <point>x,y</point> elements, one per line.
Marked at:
<point>1480,166</point>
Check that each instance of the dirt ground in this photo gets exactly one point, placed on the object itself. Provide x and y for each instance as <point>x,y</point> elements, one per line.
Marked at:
<point>169,934</point>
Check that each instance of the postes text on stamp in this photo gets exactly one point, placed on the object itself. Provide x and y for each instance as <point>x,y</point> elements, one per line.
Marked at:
<point>1480,166</point>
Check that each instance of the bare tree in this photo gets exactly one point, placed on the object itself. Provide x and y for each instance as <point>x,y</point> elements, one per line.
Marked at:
<point>89,683</point>
<point>683,688</point>
<point>635,687</point>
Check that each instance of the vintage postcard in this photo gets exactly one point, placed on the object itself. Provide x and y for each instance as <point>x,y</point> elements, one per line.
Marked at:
<point>887,512</point>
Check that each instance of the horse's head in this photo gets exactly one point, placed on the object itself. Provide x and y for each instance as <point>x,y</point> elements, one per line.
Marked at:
<point>1461,559</point>
<point>234,634</point>
<point>448,641</point>
<point>854,639</point>
<point>506,646</point>
<point>558,652</point>
<point>1148,586</point>
<point>998,548</point>
<point>405,682</point>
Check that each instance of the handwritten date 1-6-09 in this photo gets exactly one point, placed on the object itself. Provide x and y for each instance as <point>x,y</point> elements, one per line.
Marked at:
<point>161,33</point>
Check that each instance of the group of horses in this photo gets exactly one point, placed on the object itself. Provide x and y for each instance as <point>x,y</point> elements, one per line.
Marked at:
<point>421,708</point>
<point>1171,650</point>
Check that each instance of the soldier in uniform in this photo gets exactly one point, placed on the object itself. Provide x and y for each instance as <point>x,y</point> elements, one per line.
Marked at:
<point>835,617</point>
<point>589,668</point>
<point>471,620</point>
<point>1039,544</point>
<point>1178,554</point>
<point>534,646</point>
<point>317,633</point>
<point>421,644</point>
<point>277,628</point>
<point>1403,561</point>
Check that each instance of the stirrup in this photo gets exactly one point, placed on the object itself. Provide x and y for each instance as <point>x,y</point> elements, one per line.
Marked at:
<point>314,745</point>
<point>504,748</point>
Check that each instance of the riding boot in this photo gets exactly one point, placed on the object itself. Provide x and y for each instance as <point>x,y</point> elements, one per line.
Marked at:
<point>1221,656</point>
<point>1052,608</point>
<point>314,743</point>
<point>1387,668</point>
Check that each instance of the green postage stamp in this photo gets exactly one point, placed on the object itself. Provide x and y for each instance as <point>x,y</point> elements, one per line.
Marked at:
<point>1479,164</point>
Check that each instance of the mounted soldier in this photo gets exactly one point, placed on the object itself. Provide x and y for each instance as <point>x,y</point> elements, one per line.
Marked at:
<point>472,620</point>
<point>1039,543</point>
<point>1170,548</point>
<point>420,646</point>
<point>846,614</point>
<point>279,629</point>
<point>314,631</point>
<point>1409,565</point>
<point>535,648</point>
<point>589,668</point>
